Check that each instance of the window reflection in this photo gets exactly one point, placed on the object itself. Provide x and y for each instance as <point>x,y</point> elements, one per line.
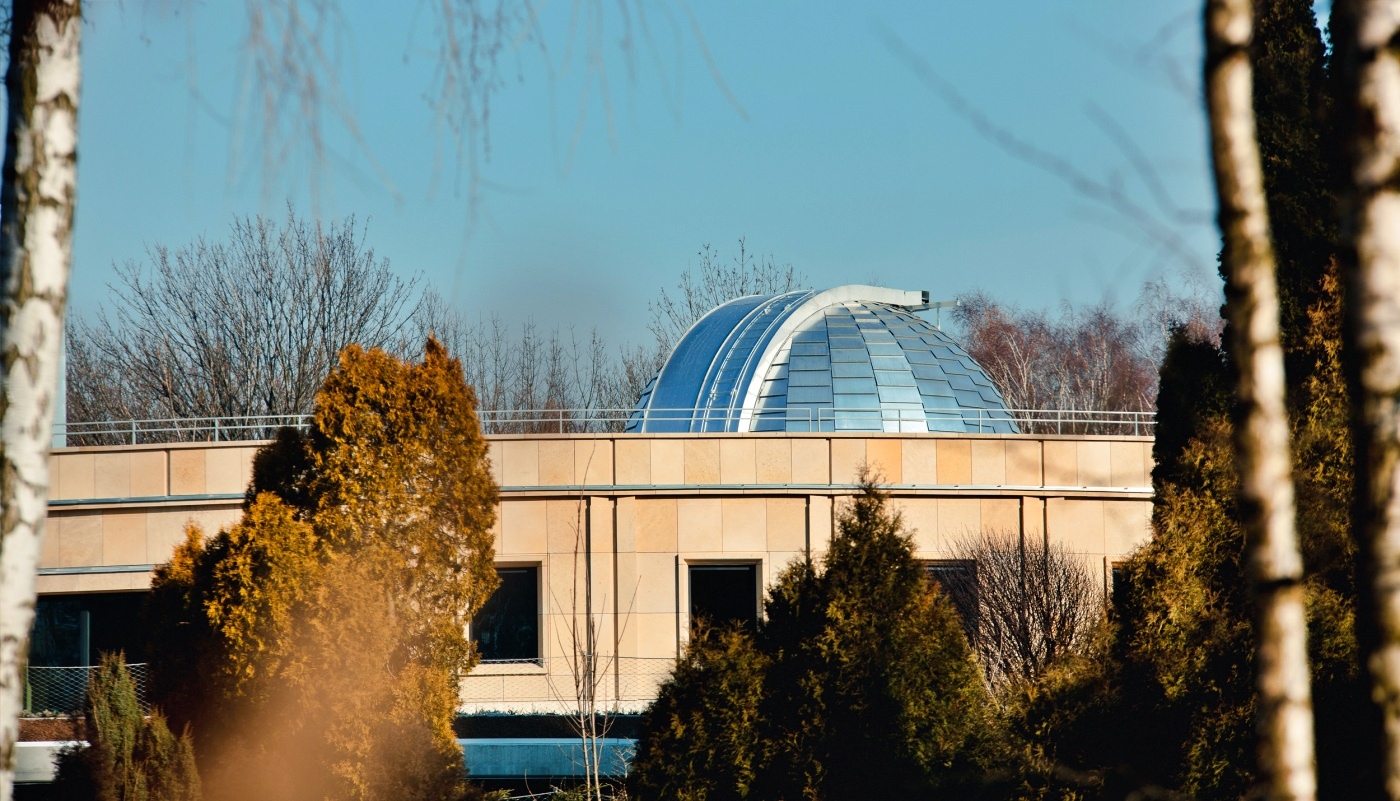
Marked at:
<point>74,630</point>
<point>507,627</point>
<point>724,596</point>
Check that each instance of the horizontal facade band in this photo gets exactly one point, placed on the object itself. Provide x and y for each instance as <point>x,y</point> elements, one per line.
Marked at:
<point>93,569</point>
<point>631,490</point>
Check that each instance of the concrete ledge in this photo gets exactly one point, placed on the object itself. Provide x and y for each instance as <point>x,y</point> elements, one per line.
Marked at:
<point>34,761</point>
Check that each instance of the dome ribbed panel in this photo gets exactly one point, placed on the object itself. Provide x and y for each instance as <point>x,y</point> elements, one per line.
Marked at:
<point>870,367</point>
<point>848,366</point>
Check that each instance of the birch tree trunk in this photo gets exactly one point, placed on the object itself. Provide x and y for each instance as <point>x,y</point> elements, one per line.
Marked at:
<point>36,237</point>
<point>1285,725</point>
<point>1369,60</point>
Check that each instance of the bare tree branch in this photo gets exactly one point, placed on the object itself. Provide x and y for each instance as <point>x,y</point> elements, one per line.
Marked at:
<point>246,327</point>
<point>1085,359</point>
<point>1108,194</point>
<point>1027,604</point>
<point>717,282</point>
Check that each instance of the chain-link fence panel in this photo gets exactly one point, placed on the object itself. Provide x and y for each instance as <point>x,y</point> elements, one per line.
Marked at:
<point>62,690</point>
<point>562,686</point>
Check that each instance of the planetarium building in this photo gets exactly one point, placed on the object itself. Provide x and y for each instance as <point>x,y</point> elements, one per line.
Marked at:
<point>853,358</point>
<point>735,463</point>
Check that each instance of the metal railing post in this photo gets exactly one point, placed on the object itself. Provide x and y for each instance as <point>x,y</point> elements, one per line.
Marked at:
<point>794,418</point>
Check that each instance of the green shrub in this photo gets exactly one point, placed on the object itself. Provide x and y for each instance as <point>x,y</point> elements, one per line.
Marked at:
<point>129,757</point>
<point>859,684</point>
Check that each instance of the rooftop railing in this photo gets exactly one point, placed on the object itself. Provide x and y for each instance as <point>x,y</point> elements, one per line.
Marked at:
<point>798,419</point>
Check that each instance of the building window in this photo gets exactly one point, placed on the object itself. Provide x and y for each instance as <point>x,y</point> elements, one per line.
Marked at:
<point>1121,591</point>
<point>507,629</point>
<point>957,578</point>
<point>723,596</point>
<point>75,630</point>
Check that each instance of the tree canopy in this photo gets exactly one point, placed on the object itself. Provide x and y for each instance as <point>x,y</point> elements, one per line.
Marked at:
<point>860,683</point>
<point>290,295</point>
<point>1167,702</point>
<point>128,755</point>
<point>322,637</point>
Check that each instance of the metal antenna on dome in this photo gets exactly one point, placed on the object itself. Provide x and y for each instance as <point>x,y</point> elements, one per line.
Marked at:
<point>938,306</point>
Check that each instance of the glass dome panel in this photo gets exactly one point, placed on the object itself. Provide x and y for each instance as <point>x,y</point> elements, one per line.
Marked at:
<point>829,361</point>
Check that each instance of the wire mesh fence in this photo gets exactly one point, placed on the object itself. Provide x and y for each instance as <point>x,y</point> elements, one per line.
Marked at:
<point>557,686</point>
<point>61,690</point>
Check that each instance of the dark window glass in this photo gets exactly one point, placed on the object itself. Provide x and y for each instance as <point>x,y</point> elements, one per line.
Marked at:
<point>724,596</point>
<point>508,626</point>
<point>1122,585</point>
<point>74,630</point>
<point>958,580</point>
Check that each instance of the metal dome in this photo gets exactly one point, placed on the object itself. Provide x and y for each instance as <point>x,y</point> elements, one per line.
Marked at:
<point>853,358</point>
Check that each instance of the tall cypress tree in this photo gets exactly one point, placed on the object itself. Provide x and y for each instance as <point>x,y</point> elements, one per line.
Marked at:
<point>128,757</point>
<point>1292,98</point>
<point>1171,703</point>
<point>860,684</point>
<point>1298,147</point>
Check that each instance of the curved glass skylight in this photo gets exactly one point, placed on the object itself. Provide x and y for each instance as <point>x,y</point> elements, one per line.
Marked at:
<point>846,359</point>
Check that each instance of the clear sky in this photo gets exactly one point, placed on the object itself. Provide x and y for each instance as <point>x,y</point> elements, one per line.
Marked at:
<point>842,162</point>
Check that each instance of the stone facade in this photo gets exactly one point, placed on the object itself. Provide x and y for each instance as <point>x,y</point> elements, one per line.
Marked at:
<point>630,513</point>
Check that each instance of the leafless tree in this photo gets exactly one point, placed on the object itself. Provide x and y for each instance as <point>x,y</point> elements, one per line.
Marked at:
<point>718,281</point>
<point>534,380</point>
<point>1187,302</point>
<point>1366,33</point>
<point>1026,604</point>
<point>1099,357</point>
<point>538,380</point>
<point>591,660</point>
<point>1085,359</point>
<point>1287,765</point>
<point>246,327</point>
<point>251,326</point>
<point>637,366</point>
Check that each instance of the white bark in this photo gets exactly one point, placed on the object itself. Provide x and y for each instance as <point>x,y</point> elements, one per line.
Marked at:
<point>1286,757</point>
<point>1370,63</point>
<point>40,181</point>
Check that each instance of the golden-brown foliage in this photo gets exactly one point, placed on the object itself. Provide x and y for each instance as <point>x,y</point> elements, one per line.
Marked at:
<point>329,623</point>
<point>397,475</point>
<point>269,563</point>
<point>1168,703</point>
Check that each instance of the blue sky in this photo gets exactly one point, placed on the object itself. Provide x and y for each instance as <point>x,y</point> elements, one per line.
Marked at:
<point>842,163</point>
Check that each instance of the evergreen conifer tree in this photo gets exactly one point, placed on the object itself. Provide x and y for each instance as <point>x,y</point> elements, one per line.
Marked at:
<point>1167,702</point>
<point>128,756</point>
<point>1299,150</point>
<point>326,630</point>
<point>702,732</point>
<point>860,684</point>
